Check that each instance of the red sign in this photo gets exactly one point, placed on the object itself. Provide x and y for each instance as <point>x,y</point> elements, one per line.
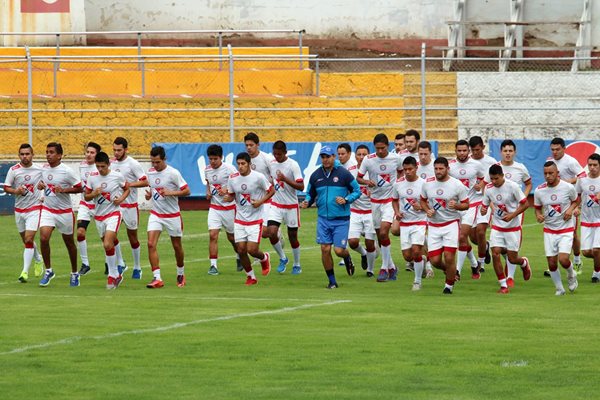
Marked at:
<point>45,6</point>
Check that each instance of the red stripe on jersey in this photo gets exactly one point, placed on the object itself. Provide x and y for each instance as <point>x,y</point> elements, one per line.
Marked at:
<point>104,217</point>
<point>53,211</point>
<point>26,210</point>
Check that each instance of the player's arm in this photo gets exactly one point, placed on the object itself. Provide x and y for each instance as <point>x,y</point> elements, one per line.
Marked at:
<point>574,204</point>
<point>21,190</point>
<point>537,205</point>
<point>77,188</point>
<point>485,203</point>
<point>425,206</point>
<point>121,199</point>
<point>142,182</point>
<point>296,184</point>
<point>90,194</point>
<point>523,205</point>
<point>353,190</point>
<point>528,187</point>
<point>208,194</point>
<point>182,192</point>
<point>360,179</point>
<point>396,206</point>
<point>270,192</point>
<point>311,194</point>
<point>462,205</point>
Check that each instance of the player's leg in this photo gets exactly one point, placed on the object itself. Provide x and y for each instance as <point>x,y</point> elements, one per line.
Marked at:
<point>395,228</point>
<point>418,263</point>
<point>464,247</point>
<point>577,264</point>
<point>483,250</point>
<point>499,268</point>
<point>596,255</point>
<point>273,235</point>
<point>451,271</point>
<point>179,259</point>
<point>83,221</point>
<point>131,217</point>
<point>213,251</point>
<point>590,248</point>
<point>65,225</point>
<point>355,230</point>
<point>47,225</point>
<point>295,245</point>
<point>108,242</point>
<point>153,259</point>
<point>253,246</point>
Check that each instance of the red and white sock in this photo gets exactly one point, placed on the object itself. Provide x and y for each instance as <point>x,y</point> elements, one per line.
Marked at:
<point>136,251</point>
<point>156,273</point>
<point>28,253</point>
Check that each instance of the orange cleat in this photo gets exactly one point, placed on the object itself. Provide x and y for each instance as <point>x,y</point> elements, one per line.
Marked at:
<point>180,280</point>
<point>526,270</point>
<point>251,281</point>
<point>503,290</point>
<point>155,284</point>
<point>510,282</point>
<point>266,265</point>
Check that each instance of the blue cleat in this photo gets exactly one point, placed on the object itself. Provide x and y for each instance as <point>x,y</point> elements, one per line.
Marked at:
<point>392,274</point>
<point>136,274</point>
<point>296,270</point>
<point>121,269</point>
<point>282,265</point>
<point>74,281</point>
<point>383,275</point>
<point>48,276</point>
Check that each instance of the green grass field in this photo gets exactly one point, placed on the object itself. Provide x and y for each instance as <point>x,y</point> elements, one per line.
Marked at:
<point>288,337</point>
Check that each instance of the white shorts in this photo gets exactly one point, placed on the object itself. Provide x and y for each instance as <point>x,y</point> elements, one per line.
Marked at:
<point>131,217</point>
<point>64,222</point>
<point>218,219</point>
<point>412,235</point>
<point>469,217</point>
<point>266,211</point>
<point>382,212</point>
<point>483,219</point>
<point>555,243</point>
<point>84,213</point>
<point>509,240</point>
<point>174,225</point>
<point>440,238</point>
<point>28,221</point>
<point>361,225</point>
<point>247,233</point>
<point>289,216</point>
<point>110,223</point>
<point>590,238</point>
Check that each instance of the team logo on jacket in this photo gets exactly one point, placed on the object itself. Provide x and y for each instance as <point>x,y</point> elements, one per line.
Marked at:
<point>554,209</point>
<point>336,179</point>
<point>439,203</point>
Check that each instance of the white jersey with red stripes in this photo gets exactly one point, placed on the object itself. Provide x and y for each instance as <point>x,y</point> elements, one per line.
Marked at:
<point>554,201</point>
<point>247,189</point>
<point>261,164</point>
<point>112,185</point>
<point>85,170</point>
<point>132,170</point>
<point>409,194</point>
<point>516,172</point>
<point>505,200</point>
<point>438,194</point>
<point>167,179</point>
<point>425,171</point>
<point>285,195</point>
<point>383,172</point>
<point>217,179</point>
<point>589,190</point>
<point>568,167</point>
<point>469,173</point>
<point>27,177</point>
<point>361,205</point>
<point>59,176</point>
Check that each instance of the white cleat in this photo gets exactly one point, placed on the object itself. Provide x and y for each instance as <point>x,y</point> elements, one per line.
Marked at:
<point>573,283</point>
<point>416,287</point>
<point>559,292</point>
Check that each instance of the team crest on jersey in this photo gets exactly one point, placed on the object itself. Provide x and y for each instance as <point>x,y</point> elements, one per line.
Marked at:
<point>423,175</point>
<point>215,177</point>
<point>462,171</point>
<point>253,166</point>
<point>336,179</point>
<point>383,167</point>
<point>278,172</point>
<point>553,197</point>
<point>409,191</point>
<point>554,209</point>
<point>383,179</point>
<point>50,177</point>
<point>27,177</point>
<point>157,181</point>
<point>499,197</point>
<point>439,203</point>
<point>440,192</point>
<point>103,185</point>
<point>592,188</point>
<point>508,175</point>
<point>244,186</point>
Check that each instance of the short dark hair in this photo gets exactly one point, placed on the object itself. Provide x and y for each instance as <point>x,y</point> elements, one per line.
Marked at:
<point>253,137</point>
<point>461,143</point>
<point>102,157</point>
<point>381,138</point>
<point>496,169</point>
<point>441,160</point>
<point>558,141</point>
<point>361,146</point>
<point>119,140</point>
<point>425,145</point>
<point>158,151</point>
<point>26,146</point>
<point>243,156</point>
<point>410,160</point>
<point>508,142</point>
<point>345,146</point>
<point>214,150</point>
<point>399,136</point>
<point>280,145</point>
<point>475,141</point>
<point>593,156</point>
<point>94,145</point>
<point>413,133</point>
<point>550,164</point>
<point>57,146</point>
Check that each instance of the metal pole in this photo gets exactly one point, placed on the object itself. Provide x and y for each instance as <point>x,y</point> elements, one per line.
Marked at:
<point>56,65</point>
<point>300,46</point>
<point>317,78</point>
<point>139,46</point>
<point>220,51</point>
<point>143,77</point>
<point>423,95</point>
<point>231,94</point>
<point>29,97</point>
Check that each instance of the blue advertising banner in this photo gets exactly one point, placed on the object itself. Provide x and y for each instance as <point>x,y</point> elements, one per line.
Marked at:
<point>191,160</point>
<point>7,202</point>
<point>534,153</point>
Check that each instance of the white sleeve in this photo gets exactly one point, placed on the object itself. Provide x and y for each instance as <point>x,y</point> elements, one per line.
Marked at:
<point>181,183</point>
<point>138,171</point>
<point>10,178</point>
<point>296,173</point>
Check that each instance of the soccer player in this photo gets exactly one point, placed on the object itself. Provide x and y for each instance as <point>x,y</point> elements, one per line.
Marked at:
<point>443,199</point>
<point>555,201</point>
<point>411,148</point>
<point>507,202</point>
<point>136,177</point>
<point>382,169</point>
<point>287,180</point>
<point>107,189</point>
<point>221,213</point>
<point>399,143</point>
<point>85,213</point>
<point>58,183</point>
<point>166,185</point>
<point>413,221</point>
<point>251,190</point>
<point>471,174</point>
<point>21,181</point>
<point>361,223</point>
<point>425,167</point>
<point>333,188</point>
<point>588,188</point>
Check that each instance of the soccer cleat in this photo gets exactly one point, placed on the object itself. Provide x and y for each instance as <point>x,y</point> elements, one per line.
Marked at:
<point>105,269</point>
<point>510,282</point>
<point>213,270</point>
<point>119,280</point>
<point>121,269</point>
<point>578,268</point>
<point>266,265</point>
<point>370,274</point>
<point>475,273</point>
<point>383,275</point>
<point>503,290</point>
<point>48,276</point>
<point>410,266</point>
<point>416,287</point>
<point>481,269</point>
<point>488,256</point>
<point>38,268</point>
<point>526,270</point>
<point>392,274</point>
<point>74,281</point>
<point>250,281</point>
<point>111,283</point>
<point>364,264</point>
<point>282,265</point>
<point>547,273</point>
<point>23,277</point>
<point>559,292</point>
<point>341,263</point>
<point>595,279</point>
<point>429,272</point>
<point>457,276</point>
<point>84,269</point>
<point>447,291</point>
<point>332,285</point>
<point>572,283</point>
<point>238,265</point>
<point>349,265</point>
<point>136,274</point>
<point>296,270</point>
<point>155,284</point>
<point>180,280</point>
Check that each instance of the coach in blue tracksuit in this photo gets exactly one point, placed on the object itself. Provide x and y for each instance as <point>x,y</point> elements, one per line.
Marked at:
<point>333,188</point>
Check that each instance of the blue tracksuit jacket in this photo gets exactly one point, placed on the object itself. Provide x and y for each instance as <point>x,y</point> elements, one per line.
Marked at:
<point>324,187</point>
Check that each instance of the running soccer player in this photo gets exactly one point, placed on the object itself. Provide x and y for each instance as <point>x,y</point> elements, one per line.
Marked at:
<point>136,177</point>
<point>58,183</point>
<point>361,223</point>
<point>411,148</point>
<point>443,199</point>
<point>382,167</point>
<point>251,190</point>
<point>85,213</point>
<point>471,174</point>
<point>412,218</point>
<point>507,203</point>
<point>166,185</point>
<point>425,167</point>
<point>399,143</point>
<point>221,213</point>
<point>555,201</point>
<point>21,181</point>
<point>588,188</point>
<point>107,189</point>
<point>287,180</point>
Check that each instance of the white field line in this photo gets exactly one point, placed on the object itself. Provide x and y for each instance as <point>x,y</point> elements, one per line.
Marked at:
<point>170,327</point>
<point>110,295</point>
